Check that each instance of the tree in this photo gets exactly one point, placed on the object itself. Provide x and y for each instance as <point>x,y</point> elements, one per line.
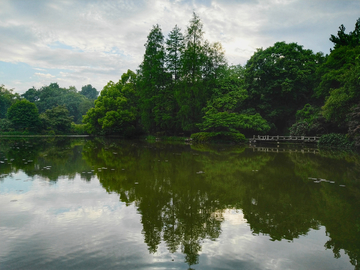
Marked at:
<point>7,98</point>
<point>48,97</point>
<point>225,110</point>
<point>89,92</point>
<point>173,64</point>
<point>201,62</point>
<point>24,115</point>
<point>57,119</point>
<point>115,111</point>
<point>280,80</point>
<point>340,75</point>
<point>155,106</point>
<point>342,39</point>
<point>354,124</point>
<point>174,49</point>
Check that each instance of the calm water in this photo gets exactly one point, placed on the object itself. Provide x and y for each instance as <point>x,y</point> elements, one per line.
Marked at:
<point>111,204</point>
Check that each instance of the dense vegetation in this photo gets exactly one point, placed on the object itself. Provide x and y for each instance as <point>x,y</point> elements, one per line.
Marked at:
<point>185,86</point>
<point>48,110</point>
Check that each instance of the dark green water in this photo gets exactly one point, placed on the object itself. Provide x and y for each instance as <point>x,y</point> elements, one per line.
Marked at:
<point>111,204</point>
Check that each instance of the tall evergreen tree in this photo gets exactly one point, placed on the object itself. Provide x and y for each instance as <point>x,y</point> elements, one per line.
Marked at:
<point>174,49</point>
<point>191,95</point>
<point>152,81</point>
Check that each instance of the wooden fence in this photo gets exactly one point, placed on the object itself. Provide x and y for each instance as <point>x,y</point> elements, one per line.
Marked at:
<point>278,138</point>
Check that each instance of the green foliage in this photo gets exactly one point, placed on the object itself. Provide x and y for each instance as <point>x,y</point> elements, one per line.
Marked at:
<point>344,92</point>
<point>24,115</point>
<point>57,119</point>
<point>53,95</point>
<point>280,80</point>
<point>6,125</point>
<point>233,122</point>
<point>228,93</point>
<point>307,114</point>
<point>115,111</point>
<point>335,140</point>
<point>202,65</point>
<point>156,100</point>
<point>308,122</point>
<point>7,98</point>
<point>78,129</point>
<point>343,39</point>
<point>354,125</point>
<point>223,110</point>
<point>89,92</point>
<point>174,49</point>
<point>222,136</point>
<point>299,129</point>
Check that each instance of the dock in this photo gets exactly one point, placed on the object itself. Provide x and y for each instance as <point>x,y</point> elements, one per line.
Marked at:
<point>279,138</point>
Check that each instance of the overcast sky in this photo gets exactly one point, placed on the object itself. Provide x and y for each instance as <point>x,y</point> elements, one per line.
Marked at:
<point>79,42</point>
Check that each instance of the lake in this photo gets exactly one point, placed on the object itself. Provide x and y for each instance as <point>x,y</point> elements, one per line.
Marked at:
<point>115,204</point>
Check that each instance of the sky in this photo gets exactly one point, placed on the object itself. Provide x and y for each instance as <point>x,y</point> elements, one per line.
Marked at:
<point>80,42</point>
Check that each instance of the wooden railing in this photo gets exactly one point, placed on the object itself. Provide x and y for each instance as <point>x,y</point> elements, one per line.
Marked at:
<point>277,138</point>
<point>285,150</point>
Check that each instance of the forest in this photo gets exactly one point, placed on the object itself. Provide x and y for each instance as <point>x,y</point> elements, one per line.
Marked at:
<point>185,87</point>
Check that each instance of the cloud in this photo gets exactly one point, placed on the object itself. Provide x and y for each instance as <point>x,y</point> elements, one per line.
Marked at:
<point>95,41</point>
<point>45,75</point>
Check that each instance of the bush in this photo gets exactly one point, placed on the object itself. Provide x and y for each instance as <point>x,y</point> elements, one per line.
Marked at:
<point>6,125</point>
<point>78,129</point>
<point>223,136</point>
<point>354,125</point>
<point>335,140</point>
<point>299,129</point>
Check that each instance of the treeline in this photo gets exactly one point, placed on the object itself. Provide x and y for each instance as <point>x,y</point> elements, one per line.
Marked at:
<point>184,86</point>
<point>48,110</point>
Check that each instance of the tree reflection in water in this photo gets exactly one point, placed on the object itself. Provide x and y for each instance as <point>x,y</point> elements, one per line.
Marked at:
<point>181,191</point>
<point>182,206</point>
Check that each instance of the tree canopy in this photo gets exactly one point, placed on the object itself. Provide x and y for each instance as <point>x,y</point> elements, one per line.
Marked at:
<point>24,115</point>
<point>115,111</point>
<point>48,97</point>
<point>280,80</point>
<point>184,85</point>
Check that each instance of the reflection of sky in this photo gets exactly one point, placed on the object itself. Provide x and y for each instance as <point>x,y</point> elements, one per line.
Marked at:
<point>21,184</point>
<point>78,225</point>
<point>238,248</point>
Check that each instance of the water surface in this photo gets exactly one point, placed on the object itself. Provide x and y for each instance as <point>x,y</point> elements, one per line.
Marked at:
<point>113,204</point>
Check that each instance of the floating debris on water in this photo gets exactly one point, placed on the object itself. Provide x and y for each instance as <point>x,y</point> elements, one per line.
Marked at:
<point>200,172</point>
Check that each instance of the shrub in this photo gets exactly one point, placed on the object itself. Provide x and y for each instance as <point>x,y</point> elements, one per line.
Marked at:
<point>354,125</point>
<point>6,125</point>
<point>299,129</point>
<point>78,129</point>
<point>335,140</point>
<point>223,136</point>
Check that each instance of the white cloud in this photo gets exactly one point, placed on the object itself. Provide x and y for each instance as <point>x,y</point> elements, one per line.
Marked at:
<point>95,41</point>
<point>45,75</point>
